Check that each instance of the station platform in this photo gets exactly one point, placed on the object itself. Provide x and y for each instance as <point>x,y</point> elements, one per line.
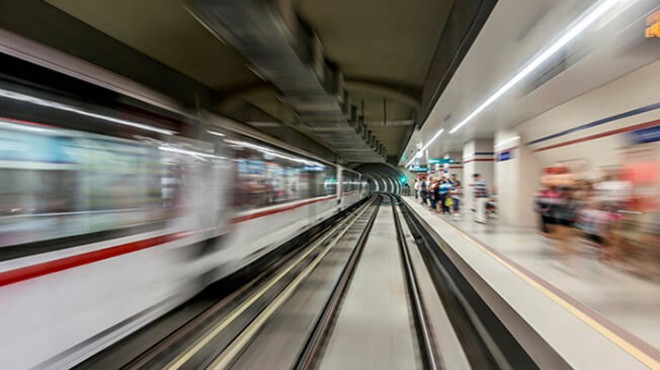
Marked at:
<point>578,307</point>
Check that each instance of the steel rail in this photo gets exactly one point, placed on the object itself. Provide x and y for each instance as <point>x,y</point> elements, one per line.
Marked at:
<point>310,351</point>
<point>290,259</point>
<point>424,331</point>
<point>230,354</point>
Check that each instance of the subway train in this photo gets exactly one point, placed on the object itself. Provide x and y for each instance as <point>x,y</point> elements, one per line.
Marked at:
<point>113,214</point>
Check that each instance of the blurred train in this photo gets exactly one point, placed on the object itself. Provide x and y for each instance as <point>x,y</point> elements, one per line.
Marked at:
<point>112,215</point>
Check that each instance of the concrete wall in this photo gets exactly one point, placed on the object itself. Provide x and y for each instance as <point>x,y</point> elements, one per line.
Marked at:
<point>477,158</point>
<point>611,110</point>
<point>516,179</point>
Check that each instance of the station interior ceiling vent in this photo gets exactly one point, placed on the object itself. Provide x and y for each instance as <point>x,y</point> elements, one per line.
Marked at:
<point>355,78</point>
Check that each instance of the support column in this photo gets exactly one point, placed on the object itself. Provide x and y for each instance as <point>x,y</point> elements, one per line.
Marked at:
<point>516,175</point>
<point>457,166</point>
<point>478,157</point>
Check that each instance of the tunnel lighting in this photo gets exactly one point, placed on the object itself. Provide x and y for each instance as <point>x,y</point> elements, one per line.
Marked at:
<point>511,139</point>
<point>215,133</point>
<point>68,108</point>
<point>578,27</point>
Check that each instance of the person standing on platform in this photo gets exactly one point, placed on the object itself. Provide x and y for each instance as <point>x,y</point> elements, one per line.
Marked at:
<point>542,207</point>
<point>445,196</point>
<point>456,194</point>
<point>423,190</point>
<point>416,188</point>
<point>433,194</point>
<point>480,190</point>
<point>566,212</point>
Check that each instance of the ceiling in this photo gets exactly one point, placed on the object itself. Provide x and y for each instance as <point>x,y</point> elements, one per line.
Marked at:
<point>513,34</point>
<point>386,50</point>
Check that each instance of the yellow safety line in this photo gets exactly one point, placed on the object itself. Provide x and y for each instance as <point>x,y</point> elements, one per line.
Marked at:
<point>612,336</point>
<point>186,355</point>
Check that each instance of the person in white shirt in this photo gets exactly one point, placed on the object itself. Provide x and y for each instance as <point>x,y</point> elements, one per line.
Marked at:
<point>480,193</point>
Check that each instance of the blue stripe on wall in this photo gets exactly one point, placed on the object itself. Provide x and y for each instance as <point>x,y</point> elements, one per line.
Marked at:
<point>599,122</point>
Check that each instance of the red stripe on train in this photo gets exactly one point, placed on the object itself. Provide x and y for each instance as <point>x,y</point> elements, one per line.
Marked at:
<point>51,267</point>
<point>277,210</point>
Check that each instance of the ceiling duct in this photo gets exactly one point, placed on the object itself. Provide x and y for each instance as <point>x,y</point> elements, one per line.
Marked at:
<point>290,56</point>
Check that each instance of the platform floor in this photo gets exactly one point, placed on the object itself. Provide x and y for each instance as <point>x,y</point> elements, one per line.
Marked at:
<point>629,301</point>
<point>374,327</point>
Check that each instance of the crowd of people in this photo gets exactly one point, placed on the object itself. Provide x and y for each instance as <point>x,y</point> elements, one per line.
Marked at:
<point>618,214</point>
<point>442,195</point>
<point>611,213</point>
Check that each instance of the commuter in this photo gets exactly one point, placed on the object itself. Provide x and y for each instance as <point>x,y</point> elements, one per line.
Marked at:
<point>456,194</point>
<point>566,212</point>
<point>445,196</point>
<point>416,188</point>
<point>423,187</point>
<point>543,208</point>
<point>480,193</point>
<point>612,190</point>
<point>433,195</point>
<point>594,222</point>
<point>552,199</point>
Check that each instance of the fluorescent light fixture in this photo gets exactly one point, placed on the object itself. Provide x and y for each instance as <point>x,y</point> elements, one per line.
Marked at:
<point>437,135</point>
<point>68,108</point>
<point>420,153</point>
<point>581,24</point>
<point>511,139</point>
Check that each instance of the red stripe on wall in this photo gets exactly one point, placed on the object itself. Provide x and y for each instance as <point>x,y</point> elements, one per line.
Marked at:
<point>51,267</point>
<point>601,135</point>
<point>507,150</point>
<point>269,212</point>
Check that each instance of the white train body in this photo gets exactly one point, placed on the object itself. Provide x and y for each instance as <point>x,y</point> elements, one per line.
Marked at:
<point>100,234</point>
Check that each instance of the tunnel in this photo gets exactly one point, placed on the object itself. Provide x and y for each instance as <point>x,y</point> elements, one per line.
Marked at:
<point>383,177</point>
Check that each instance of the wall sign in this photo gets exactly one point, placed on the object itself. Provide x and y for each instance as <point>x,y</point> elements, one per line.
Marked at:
<point>504,156</point>
<point>441,161</point>
<point>645,135</point>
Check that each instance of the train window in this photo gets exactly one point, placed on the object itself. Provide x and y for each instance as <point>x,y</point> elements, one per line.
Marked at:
<point>350,182</point>
<point>56,183</point>
<point>267,176</point>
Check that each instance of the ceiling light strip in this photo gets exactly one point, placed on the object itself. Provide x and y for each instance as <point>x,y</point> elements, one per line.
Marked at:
<point>581,24</point>
<point>585,20</point>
